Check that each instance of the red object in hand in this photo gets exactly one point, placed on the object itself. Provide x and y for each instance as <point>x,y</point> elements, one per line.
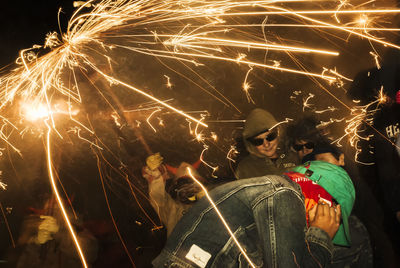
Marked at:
<point>398,97</point>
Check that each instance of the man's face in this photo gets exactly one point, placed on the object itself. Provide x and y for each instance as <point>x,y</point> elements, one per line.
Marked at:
<point>328,157</point>
<point>303,148</point>
<point>268,146</point>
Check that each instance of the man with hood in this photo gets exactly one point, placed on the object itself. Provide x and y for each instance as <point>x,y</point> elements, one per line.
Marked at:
<point>267,152</point>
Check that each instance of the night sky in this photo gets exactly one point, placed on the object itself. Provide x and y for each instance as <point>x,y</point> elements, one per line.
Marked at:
<point>25,23</point>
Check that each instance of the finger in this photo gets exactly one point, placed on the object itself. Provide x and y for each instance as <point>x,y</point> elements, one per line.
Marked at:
<point>325,209</point>
<point>332,213</point>
<point>320,209</point>
<point>312,212</point>
<point>338,213</point>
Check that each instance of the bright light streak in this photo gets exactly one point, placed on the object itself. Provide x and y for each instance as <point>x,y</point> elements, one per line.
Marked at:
<point>222,218</point>
<point>232,153</point>
<point>6,223</point>
<point>246,86</point>
<point>3,185</point>
<point>306,103</point>
<point>214,136</point>
<point>4,137</point>
<point>169,85</point>
<point>154,99</point>
<point>287,120</point>
<point>40,75</point>
<point>313,12</point>
<point>34,112</point>
<point>148,118</point>
<point>198,135</point>
<point>376,58</point>
<point>77,131</point>
<point>339,75</point>
<point>361,115</point>
<point>214,169</point>
<point>184,31</point>
<point>329,109</point>
<point>59,200</point>
<point>292,25</point>
<point>248,44</point>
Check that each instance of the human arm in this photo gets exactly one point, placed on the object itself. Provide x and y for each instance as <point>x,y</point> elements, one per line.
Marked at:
<point>159,198</point>
<point>166,207</point>
<point>156,174</point>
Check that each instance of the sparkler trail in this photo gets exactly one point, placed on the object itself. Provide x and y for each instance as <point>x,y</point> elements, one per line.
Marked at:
<point>148,118</point>
<point>7,225</point>
<point>95,27</point>
<point>246,86</point>
<point>232,153</point>
<point>60,203</point>
<point>112,217</point>
<point>189,33</point>
<point>363,115</point>
<point>222,218</point>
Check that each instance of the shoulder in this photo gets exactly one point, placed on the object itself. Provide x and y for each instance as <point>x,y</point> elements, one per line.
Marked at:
<point>289,159</point>
<point>250,167</point>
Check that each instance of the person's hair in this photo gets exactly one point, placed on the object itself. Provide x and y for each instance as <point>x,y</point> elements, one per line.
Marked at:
<point>321,147</point>
<point>305,129</point>
<point>331,148</point>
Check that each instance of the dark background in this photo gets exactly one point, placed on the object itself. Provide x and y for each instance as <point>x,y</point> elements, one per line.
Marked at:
<point>25,23</point>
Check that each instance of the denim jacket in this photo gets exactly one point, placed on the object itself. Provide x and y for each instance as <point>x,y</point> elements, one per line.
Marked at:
<point>266,215</point>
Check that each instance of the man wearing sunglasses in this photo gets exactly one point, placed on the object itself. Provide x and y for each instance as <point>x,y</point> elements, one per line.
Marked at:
<point>267,153</point>
<point>303,135</point>
<point>303,148</point>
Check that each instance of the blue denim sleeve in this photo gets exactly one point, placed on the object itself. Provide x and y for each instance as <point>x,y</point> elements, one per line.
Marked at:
<point>317,239</point>
<point>281,224</point>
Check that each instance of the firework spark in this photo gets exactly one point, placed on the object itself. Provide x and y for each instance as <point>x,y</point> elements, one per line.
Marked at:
<point>189,32</point>
<point>222,219</point>
<point>60,203</point>
<point>361,115</point>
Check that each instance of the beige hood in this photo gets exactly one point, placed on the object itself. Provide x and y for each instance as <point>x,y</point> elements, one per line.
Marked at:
<point>257,122</point>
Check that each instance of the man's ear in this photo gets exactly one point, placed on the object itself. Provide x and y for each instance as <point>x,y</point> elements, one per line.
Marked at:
<point>341,160</point>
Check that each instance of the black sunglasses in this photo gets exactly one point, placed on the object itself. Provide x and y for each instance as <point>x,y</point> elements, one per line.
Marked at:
<point>259,141</point>
<point>299,147</point>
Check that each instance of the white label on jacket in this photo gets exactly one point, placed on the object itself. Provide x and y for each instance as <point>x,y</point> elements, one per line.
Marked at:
<point>198,256</point>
